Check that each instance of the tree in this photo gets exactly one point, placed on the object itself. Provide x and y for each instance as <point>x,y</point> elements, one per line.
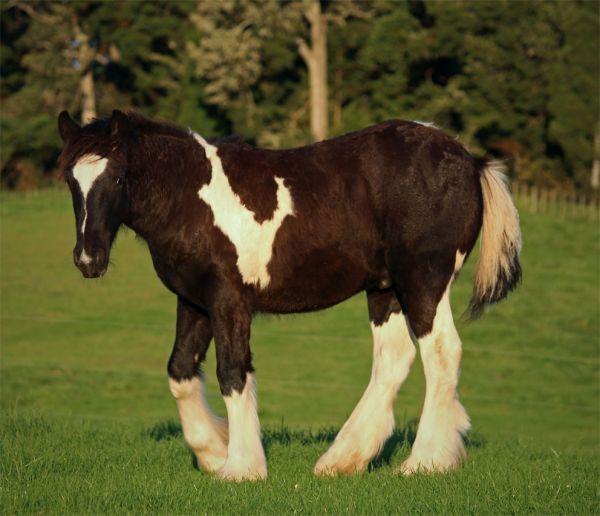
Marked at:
<point>315,54</point>
<point>573,71</point>
<point>516,80</point>
<point>90,57</point>
<point>315,57</point>
<point>51,72</point>
<point>229,53</point>
<point>235,36</point>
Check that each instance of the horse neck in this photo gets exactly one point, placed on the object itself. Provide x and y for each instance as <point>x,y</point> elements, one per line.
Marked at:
<point>153,189</point>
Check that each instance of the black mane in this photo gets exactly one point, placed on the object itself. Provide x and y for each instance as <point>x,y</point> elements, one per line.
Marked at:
<point>96,138</point>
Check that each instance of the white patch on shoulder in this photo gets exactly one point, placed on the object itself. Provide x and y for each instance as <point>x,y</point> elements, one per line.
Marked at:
<point>253,241</point>
<point>85,172</point>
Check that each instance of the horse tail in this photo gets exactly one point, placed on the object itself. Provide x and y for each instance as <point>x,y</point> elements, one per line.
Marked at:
<point>498,270</point>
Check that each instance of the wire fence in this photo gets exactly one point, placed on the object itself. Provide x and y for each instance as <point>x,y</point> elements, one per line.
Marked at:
<point>594,361</point>
<point>358,387</point>
<point>565,204</point>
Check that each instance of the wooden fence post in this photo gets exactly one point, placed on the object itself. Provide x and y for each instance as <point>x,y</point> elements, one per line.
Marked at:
<point>563,204</point>
<point>534,199</point>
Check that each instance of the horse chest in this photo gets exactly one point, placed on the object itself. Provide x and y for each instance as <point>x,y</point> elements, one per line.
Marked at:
<point>185,280</point>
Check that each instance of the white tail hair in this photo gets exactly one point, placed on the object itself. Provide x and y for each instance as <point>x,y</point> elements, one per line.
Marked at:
<point>498,269</point>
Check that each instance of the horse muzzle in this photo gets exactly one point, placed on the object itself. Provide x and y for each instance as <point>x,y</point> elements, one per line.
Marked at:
<point>92,265</point>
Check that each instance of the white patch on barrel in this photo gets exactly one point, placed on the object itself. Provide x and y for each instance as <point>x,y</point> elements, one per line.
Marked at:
<point>253,241</point>
<point>85,172</point>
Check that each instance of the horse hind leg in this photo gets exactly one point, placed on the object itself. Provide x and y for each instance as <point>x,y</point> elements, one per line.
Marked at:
<point>372,421</point>
<point>439,443</point>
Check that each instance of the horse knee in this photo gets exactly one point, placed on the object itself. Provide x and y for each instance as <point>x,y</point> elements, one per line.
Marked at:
<point>192,339</point>
<point>232,340</point>
<point>181,366</point>
<point>232,375</point>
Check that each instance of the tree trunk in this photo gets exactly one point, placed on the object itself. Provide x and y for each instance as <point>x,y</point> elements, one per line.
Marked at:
<point>315,58</point>
<point>595,178</point>
<point>85,56</point>
<point>88,97</point>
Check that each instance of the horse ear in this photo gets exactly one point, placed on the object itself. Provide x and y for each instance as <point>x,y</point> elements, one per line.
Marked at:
<point>67,127</point>
<point>119,123</point>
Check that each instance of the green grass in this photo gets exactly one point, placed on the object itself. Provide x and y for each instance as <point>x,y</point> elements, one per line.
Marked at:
<point>88,424</point>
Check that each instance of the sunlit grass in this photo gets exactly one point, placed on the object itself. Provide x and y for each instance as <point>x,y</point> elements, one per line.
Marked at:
<point>89,425</point>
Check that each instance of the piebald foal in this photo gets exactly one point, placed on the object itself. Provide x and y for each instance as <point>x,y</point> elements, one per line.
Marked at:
<point>393,210</point>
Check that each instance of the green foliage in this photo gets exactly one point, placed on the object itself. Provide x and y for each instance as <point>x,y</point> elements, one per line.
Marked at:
<point>514,79</point>
<point>87,423</point>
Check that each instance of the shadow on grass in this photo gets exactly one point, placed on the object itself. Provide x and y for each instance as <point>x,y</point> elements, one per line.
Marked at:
<point>402,438</point>
<point>164,430</point>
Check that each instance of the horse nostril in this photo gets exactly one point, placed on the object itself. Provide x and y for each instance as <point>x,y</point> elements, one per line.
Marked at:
<point>76,257</point>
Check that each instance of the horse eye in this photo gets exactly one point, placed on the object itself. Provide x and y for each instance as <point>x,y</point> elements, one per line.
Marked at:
<point>120,180</point>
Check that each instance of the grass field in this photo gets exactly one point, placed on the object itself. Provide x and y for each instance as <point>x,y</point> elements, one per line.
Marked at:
<point>88,424</point>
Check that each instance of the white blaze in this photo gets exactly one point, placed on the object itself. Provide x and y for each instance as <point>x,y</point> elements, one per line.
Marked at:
<point>85,172</point>
<point>253,241</point>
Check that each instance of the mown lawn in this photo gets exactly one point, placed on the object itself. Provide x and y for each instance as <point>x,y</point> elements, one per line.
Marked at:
<point>88,424</point>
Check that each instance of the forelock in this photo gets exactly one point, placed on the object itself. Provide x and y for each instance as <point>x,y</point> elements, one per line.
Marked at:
<point>94,139</point>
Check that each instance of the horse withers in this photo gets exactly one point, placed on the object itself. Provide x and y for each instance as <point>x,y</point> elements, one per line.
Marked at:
<point>392,210</point>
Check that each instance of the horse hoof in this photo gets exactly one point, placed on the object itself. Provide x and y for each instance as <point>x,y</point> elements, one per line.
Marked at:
<point>241,473</point>
<point>326,468</point>
<point>211,463</point>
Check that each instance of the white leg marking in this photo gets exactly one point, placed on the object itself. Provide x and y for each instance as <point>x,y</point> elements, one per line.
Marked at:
<point>85,172</point>
<point>205,433</point>
<point>253,241</point>
<point>245,455</point>
<point>372,421</point>
<point>439,445</point>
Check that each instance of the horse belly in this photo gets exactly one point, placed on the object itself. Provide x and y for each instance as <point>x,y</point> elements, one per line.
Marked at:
<point>325,249</point>
<point>318,280</point>
<point>317,266</point>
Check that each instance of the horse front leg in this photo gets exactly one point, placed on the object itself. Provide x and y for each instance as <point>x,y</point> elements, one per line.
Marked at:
<point>205,433</point>
<point>245,455</point>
